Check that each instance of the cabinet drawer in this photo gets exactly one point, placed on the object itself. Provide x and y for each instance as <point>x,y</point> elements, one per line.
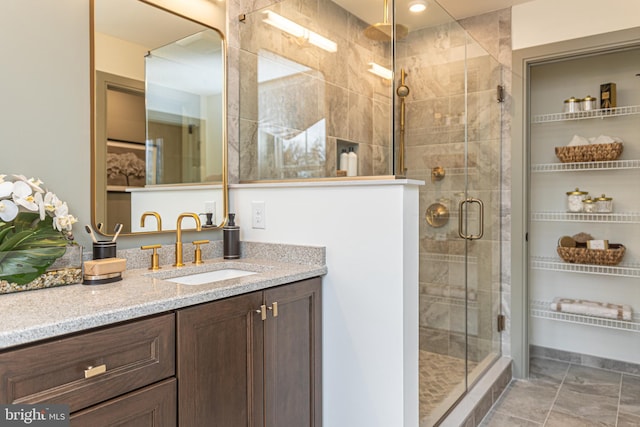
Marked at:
<point>153,406</point>
<point>131,356</point>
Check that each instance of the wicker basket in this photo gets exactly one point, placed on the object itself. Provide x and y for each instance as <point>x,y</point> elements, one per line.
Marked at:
<point>611,256</point>
<point>589,153</point>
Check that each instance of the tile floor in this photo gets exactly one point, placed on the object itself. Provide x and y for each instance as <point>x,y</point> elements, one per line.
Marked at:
<point>439,376</point>
<point>562,394</point>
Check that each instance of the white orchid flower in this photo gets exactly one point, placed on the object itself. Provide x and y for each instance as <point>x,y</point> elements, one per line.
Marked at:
<point>51,201</point>
<point>31,182</point>
<point>40,203</point>
<point>6,188</point>
<point>64,222</point>
<point>8,210</point>
<point>2,178</point>
<point>22,195</point>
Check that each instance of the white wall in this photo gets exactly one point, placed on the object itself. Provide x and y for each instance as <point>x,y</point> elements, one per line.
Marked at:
<point>547,21</point>
<point>44,107</point>
<point>370,295</point>
<point>190,198</point>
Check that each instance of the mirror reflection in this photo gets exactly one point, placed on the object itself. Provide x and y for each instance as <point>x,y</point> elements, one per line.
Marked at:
<point>158,115</point>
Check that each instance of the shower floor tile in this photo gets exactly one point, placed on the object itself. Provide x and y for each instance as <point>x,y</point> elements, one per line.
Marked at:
<point>562,394</point>
<point>439,376</point>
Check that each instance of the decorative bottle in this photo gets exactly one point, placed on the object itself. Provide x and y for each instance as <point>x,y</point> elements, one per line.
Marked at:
<point>352,167</point>
<point>344,160</point>
<point>231,239</point>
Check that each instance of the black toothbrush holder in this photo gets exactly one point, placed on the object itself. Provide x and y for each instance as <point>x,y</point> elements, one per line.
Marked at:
<point>106,249</point>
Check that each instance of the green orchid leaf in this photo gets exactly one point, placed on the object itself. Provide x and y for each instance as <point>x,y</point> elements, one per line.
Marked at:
<point>4,230</point>
<point>29,248</point>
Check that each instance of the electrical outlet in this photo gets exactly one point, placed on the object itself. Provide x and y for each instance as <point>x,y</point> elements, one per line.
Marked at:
<point>258,215</point>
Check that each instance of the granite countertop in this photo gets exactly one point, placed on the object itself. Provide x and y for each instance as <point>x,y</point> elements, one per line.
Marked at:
<point>46,313</point>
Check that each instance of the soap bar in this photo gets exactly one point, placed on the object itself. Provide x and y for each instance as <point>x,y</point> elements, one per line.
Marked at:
<point>99,267</point>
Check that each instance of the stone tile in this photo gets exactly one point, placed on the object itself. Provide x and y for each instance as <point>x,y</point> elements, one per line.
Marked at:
<point>630,395</point>
<point>545,370</point>
<point>584,375</point>
<point>560,419</point>
<point>529,401</point>
<point>550,353</point>
<point>597,403</point>
<point>439,377</point>
<point>484,406</point>
<point>499,419</point>
<point>628,420</point>
<point>612,365</point>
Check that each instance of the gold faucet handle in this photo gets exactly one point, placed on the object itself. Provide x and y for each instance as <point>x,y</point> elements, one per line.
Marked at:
<point>198,255</point>
<point>155,259</point>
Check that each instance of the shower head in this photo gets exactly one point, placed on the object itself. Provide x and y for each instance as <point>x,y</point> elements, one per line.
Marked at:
<point>383,31</point>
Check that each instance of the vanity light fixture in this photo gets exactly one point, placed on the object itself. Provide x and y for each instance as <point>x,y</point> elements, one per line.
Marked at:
<point>417,6</point>
<point>300,32</point>
<point>380,71</point>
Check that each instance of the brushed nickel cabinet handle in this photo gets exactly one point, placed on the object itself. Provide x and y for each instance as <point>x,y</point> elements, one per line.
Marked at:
<point>92,371</point>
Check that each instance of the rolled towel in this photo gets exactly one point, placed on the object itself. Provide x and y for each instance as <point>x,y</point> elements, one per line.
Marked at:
<point>578,140</point>
<point>604,139</point>
<point>592,308</point>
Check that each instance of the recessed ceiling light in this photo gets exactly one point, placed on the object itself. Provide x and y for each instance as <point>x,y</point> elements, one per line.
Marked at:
<point>417,6</point>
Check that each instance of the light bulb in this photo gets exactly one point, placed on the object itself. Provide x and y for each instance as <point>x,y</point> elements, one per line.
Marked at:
<point>417,6</point>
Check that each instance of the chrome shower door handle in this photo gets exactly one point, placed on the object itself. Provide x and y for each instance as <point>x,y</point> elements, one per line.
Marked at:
<point>461,214</point>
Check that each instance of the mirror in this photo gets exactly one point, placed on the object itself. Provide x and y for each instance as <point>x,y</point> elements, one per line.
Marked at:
<point>158,118</point>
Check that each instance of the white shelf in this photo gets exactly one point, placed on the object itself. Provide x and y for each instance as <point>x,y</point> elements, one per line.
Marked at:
<point>586,166</point>
<point>557,264</point>
<point>541,309</point>
<point>618,217</point>
<point>582,115</point>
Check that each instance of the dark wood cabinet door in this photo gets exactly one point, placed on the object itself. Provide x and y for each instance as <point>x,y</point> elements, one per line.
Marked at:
<point>293,355</point>
<point>220,363</point>
<point>153,406</point>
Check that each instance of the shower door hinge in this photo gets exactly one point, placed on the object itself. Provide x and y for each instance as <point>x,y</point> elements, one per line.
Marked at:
<point>500,93</point>
<point>501,322</point>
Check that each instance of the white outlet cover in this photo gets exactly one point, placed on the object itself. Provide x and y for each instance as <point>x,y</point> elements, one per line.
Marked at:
<point>258,215</point>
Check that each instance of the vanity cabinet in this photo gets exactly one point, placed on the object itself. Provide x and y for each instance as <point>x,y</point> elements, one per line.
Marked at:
<point>252,360</point>
<point>115,368</point>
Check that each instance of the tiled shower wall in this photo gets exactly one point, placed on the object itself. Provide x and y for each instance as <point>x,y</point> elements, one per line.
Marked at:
<point>434,61</point>
<point>356,106</point>
<point>331,89</point>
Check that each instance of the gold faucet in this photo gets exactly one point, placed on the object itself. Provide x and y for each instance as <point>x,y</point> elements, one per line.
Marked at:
<point>179,235</point>
<point>154,214</point>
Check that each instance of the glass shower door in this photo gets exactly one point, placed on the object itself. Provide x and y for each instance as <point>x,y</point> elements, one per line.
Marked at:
<point>452,135</point>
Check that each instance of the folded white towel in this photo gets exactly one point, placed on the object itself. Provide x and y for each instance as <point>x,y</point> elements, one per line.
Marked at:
<point>604,139</point>
<point>578,140</point>
<point>592,308</point>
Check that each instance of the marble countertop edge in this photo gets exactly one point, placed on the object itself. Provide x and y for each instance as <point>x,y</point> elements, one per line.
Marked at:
<point>54,312</point>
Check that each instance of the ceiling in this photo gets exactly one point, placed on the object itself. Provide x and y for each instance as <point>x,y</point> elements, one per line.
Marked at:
<point>437,13</point>
<point>460,9</point>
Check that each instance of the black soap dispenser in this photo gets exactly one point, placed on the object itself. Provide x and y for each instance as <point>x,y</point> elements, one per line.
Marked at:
<point>231,238</point>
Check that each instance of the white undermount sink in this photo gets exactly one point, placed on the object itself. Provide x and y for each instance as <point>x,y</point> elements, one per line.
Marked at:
<point>211,276</point>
